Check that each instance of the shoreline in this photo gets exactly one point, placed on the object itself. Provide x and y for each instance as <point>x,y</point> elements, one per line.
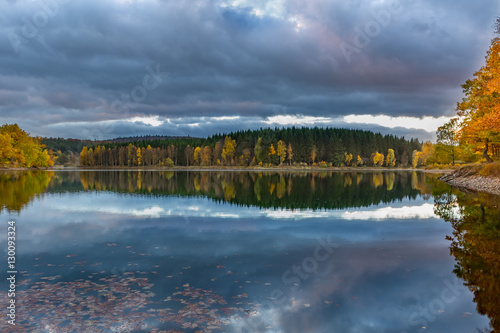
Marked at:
<point>232,169</point>
<point>468,180</point>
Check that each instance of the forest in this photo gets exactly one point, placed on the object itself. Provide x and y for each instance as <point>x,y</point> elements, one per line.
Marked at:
<point>265,147</point>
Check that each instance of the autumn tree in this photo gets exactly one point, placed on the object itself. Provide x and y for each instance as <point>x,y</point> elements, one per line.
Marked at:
<point>414,159</point>
<point>313,154</point>
<point>84,156</point>
<point>347,159</point>
<point>197,155</point>
<point>423,157</point>
<point>377,159</point>
<point>6,149</point>
<point>229,150</point>
<point>206,156</point>
<point>427,151</point>
<point>17,148</point>
<point>148,156</point>
<point>391,158</point>
<point>480,108</point>
<point>359,161</point>
<point>281,152</point>
<point>131,153</point>
<point>139,156</point>
<point>172,153</point>
<point>217,152</point>
<point>289,153</point>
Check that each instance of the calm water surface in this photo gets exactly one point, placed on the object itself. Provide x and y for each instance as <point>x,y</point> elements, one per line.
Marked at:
<point>160,251</point>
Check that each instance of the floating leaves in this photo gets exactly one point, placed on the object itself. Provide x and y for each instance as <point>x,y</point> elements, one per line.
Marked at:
<point>115,303</point>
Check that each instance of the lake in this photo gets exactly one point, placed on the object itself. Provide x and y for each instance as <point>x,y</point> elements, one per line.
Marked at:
<point>179,251</point>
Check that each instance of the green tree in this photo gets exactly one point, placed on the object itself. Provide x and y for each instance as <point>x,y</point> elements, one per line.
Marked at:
<point>259,151</point>
<point>447,140</point>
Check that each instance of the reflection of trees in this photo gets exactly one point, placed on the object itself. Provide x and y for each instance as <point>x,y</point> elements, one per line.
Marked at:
<point>18,188</point>
<point>389,180</point>
<point>475,243</point>
<point>324,190</point>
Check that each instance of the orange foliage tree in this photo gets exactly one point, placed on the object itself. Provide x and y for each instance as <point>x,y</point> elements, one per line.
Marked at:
<point>480,108</point>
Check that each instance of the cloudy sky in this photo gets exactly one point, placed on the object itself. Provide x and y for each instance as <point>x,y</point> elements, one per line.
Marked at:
<point>101,69</point>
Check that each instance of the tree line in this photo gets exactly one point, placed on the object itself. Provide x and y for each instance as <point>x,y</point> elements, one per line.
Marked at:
<point>265,147</point>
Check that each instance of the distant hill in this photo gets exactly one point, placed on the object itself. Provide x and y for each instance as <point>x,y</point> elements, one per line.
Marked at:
<point>144,138</point>
<point>76,145</point>
<point>65,145</point>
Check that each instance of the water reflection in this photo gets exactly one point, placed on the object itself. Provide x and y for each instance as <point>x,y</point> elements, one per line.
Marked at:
<point>475,244</point>
<point>18,188</point>
<point>248,252</point>
<point>298,190</point>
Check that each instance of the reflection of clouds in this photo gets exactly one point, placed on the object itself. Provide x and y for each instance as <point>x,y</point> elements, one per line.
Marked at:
<point>425,211</point>
<point>381,273</point>
<point>143,207</point>
<point>154,211</point>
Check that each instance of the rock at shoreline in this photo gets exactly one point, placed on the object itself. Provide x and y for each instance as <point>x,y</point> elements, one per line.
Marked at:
<point>468,178</point>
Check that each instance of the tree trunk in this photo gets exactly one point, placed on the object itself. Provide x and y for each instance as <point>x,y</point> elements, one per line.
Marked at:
<point>485,153</point>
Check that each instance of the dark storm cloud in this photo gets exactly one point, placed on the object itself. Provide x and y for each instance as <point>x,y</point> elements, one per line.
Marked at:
<point>248,58</point>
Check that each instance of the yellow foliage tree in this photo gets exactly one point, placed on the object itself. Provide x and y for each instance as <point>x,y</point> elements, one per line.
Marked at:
<point>359,162</point>
<point>378,159</point>
<point>229,150</point>
<point>17,148</point>
<point>197,155</point>
<point>414,159</point>
<point>281,151</point>
<point>139,156</point>
<point>272,151</point>
<point>391,159</point>
<point>84,156</point>
<point>7,151</point>
<point>347,159</point>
